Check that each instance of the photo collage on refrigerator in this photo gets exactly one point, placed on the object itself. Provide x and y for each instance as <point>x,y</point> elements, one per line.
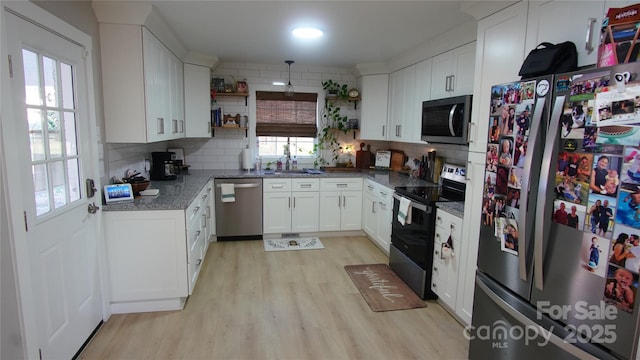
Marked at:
<point>508,136</point>
<point>597,179</point>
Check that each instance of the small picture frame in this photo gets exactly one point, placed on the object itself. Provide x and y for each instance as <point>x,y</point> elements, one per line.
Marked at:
<point>217,84</point>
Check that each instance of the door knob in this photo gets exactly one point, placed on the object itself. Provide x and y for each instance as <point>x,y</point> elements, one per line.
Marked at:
<point>93,208</point>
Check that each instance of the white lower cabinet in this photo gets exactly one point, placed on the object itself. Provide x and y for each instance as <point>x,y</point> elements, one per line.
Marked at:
<point>340,204</point>
<point>154,257</point>
<point>377,210</point>
<point>446,261</point>
<point>290,205</point>
<point>147,260</point>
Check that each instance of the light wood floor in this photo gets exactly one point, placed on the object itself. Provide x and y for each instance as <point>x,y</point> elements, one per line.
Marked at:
<point>252,304</point>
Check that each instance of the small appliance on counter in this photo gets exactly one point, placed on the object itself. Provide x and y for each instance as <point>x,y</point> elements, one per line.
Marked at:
<point>163,166</point>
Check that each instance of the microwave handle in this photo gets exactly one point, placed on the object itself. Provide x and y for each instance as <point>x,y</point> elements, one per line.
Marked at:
<point>452,112</point>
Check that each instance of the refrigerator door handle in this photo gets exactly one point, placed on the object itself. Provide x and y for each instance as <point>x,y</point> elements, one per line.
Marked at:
<point>452,112</point>
<point>524,200</point>
<point>545,173</point>
<point>530,324</point>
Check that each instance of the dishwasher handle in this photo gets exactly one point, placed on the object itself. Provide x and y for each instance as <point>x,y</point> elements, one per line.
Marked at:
<point>242,186</point>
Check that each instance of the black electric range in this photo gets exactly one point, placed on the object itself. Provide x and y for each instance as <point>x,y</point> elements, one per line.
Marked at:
<point>411,253</point>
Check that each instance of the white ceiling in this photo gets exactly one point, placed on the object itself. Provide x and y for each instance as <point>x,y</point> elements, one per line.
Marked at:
<point>356,32</point>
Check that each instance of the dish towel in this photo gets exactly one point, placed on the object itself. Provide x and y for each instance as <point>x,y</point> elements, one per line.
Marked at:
<point>228,192</point>
<point>404,211</point>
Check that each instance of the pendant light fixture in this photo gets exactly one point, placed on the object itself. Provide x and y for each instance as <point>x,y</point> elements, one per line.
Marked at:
<point>288,90</point>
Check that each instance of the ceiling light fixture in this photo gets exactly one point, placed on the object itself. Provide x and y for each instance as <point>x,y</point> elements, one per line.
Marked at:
<point>307,33</point>
<point>288,91</point>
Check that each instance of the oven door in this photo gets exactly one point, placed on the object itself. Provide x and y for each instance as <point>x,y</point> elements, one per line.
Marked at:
<point>415,240</point>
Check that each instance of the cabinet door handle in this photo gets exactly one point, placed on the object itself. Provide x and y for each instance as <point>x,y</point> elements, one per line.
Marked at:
<point>383,126</point>
<point>305,186</point>
<point>198,262</point>
<point>294,202</point>
<point>339,201</point>
<point>196,209</point>
<point>204,196</point>
<point>373,207</point>
<point>204,221</point>
<point>277,186</point>
<point>344,201</point>
<point>588,45</point>
<point>382,205</point>
<point>208,212</point>
<point>289,202</point>
<point>160,126</point>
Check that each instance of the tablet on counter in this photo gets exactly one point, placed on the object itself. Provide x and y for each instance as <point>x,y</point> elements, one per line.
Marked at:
<point>116,193</point>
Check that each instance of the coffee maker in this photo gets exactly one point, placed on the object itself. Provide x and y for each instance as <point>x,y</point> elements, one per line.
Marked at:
<point>162,165</point>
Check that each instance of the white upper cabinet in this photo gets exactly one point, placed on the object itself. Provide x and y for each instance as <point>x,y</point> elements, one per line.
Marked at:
<point>499,55</point>
<point>142,86</point>
<point>374,106</point>
<point>404,118</point>
<point>197,101</point>
<point>453,72</point>
<point>559,21</point>
<point>423,82</point>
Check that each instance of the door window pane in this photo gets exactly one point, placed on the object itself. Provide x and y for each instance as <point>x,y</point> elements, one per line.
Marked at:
<point>55,134</point>
<point>43,203</point>
<point>36,134</point>
<point>33,93</point>
<point>50,82</point>
<point>66,79</point>
<point>73,180</point>
<point>58,179</point>
<point>70,133</point>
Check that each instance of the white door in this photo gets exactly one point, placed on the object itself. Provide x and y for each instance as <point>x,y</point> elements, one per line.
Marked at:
<point>52,139</point>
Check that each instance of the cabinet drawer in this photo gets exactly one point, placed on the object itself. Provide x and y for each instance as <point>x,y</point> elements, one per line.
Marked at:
<point>305,184</point>
<point>380,191</point>
<point>370,187</point>
<point>341,184</point>
<point>276,185</point>
<point>197,206</point>
<point>446,220</point>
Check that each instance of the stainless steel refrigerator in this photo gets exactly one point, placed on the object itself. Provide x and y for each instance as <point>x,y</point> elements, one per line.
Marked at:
<point>559,256</point>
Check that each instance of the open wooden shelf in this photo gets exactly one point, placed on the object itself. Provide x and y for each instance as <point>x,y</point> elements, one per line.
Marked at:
<point>244,95</point>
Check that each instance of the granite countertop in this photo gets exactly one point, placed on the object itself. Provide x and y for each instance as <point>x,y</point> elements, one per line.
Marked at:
<point>455,208</point>
<point>179,193</point>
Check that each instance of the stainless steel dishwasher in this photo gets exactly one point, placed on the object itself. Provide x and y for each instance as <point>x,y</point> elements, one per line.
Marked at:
<point>240,219</point>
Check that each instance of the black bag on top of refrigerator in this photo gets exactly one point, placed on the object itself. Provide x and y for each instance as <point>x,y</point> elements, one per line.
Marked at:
<point>548,58</point>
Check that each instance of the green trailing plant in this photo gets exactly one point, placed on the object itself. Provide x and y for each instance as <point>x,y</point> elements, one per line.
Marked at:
<point>333,87</point>
<point>332,124</point>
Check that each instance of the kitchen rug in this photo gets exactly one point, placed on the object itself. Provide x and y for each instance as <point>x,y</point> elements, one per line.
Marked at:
<point>292,244</point>
<point>382,289</point>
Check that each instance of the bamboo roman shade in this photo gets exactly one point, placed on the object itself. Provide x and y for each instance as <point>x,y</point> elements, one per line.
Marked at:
<point>280,115</point>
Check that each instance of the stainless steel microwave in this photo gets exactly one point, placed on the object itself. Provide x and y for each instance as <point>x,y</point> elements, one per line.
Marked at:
<point>446,121</point>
